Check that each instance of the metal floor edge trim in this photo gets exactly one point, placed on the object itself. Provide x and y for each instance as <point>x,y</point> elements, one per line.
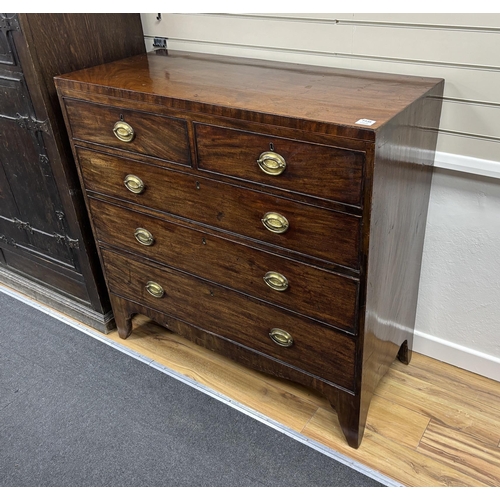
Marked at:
<point>353,464</point>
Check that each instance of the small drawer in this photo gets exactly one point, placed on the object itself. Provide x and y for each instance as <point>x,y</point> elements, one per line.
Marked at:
<point>326,296</point>
<point>134,131</point>
<point>303,344</point>
<point>304,229</point>
<point>325,172</point>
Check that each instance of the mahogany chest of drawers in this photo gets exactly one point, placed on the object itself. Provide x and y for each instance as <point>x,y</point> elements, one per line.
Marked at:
<point>274,213</point>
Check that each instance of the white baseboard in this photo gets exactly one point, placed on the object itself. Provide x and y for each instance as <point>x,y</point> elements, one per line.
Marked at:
<point>467,164</point>
<point>457,355</point>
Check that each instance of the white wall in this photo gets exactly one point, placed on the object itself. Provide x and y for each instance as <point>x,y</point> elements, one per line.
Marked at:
<point>458,313</point>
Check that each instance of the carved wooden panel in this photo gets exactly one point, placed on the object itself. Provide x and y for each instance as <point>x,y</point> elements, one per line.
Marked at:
<point>44,229</point>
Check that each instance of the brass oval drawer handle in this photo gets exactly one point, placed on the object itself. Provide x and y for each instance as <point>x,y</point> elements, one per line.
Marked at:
<point>134,184</point>
<point>155,289</point>
<point>274,222</point>
<point>271,163</point>
<point>282,338</point>
<point>123,131</point>
<point>143,236</point>
<point>276,281</point>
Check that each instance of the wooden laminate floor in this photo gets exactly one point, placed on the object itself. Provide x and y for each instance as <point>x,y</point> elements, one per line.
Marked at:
<point>430,424</point>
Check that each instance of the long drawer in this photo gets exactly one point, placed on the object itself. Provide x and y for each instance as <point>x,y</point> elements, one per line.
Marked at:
<point>326,172</point>
<point>227,207</point>
<point>149,134</point>
<point>312,348</point>
<point>319,294</point>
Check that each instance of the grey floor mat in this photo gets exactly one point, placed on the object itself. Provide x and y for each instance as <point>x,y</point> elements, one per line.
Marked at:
<point>75,412</point>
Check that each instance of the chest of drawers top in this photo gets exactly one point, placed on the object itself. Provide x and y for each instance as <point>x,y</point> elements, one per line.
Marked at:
<point>318,99</point>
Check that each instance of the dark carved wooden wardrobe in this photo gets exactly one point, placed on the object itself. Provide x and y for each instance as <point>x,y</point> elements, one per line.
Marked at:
<point>46,246</point>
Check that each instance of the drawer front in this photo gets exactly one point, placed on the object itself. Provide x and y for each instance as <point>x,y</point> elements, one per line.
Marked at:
<point>321,171</point>
<point>315,349</point>
<point>326,296</point>
<point>227,207</point>
<point>153,135</point>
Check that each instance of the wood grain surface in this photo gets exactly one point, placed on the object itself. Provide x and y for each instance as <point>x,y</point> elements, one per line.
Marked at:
<point>266,91</point>
<point>321,171</point>
<point>227,207</point>
<point>327,296</point>
<point>316,349</point>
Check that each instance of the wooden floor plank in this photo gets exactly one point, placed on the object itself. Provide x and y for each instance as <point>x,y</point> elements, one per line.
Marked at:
<point>469,385</point>
<point>396,422</point>
<point>454,409</point>
<point>462,452</point>
<point>389,457</point>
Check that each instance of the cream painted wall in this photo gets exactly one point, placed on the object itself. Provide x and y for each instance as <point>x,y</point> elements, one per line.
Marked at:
<point>458,313</point>
<point>462,48</point>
